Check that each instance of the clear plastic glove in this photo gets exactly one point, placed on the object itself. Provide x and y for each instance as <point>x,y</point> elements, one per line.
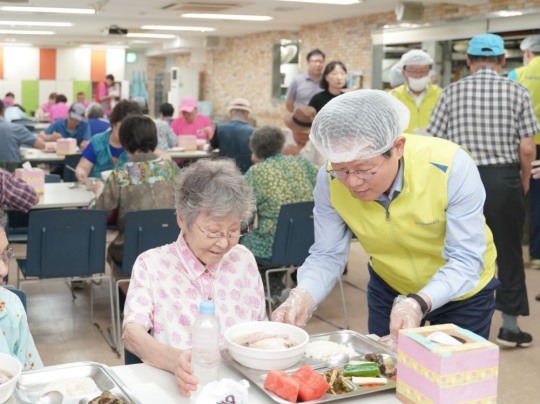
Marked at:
<point>297,309</point>
<point>406,313</point>
<point>389,342</point>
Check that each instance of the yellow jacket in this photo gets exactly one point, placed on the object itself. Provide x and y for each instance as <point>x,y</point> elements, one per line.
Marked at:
<point>419,115</point>
<point>529,76</point>
<point>406,242</point>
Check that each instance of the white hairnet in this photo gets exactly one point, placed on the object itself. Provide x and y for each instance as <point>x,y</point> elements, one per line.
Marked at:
<point>396,75</point>
<point>358,125</point>
<point>416,57</point>
<point>532,43</point>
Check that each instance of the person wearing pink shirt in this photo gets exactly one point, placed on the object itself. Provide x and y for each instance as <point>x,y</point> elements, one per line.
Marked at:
<point>60,109</point>
<point>81,99</point>
<point>191,122</point>
<point>206,263</point>
<point>46,108</point>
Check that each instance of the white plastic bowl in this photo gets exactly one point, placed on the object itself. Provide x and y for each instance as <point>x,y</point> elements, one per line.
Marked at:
<point>263,359</point>
<point>105,174</point>
<point>12,367</point>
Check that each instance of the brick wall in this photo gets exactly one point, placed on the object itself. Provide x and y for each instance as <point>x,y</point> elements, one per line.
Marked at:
<point>243,67</point>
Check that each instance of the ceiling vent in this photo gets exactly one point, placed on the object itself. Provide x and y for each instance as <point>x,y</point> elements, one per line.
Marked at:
<point>201,7</point>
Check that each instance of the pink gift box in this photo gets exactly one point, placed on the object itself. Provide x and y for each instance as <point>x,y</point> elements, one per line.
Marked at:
<point>430,372</point>
<point>34,177</point>
<point>66,146</point>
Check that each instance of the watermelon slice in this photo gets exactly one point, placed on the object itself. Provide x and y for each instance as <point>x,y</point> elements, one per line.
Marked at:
<point>281,384</point>
<point>312,384</point>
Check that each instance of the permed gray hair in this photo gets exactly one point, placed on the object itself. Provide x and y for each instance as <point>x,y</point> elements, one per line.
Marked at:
<point>213,187</point>
<point>267,141</point>
<point>95,111</point>
<point>3,219</point>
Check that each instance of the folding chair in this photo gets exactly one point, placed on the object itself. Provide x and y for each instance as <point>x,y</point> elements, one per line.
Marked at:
<point>68,243</point>
<point>295,234</point>
<point>145,229</point>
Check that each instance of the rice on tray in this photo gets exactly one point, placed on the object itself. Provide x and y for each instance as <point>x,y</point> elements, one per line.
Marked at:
<point>322,350</point>
<point>74,386</point>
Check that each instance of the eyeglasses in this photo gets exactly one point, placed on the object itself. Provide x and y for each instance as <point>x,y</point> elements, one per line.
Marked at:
<point>362,174</point>
<point>232,234</point>
<point>7,255</point>
<point>316,61</point>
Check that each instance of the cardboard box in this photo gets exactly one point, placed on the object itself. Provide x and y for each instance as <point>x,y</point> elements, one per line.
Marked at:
<point>66,146</point>
<point>188,142</point>
<point>35,177</point>
<point>429,372</point>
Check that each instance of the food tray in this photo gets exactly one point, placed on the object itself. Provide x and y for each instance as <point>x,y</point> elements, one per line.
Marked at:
<point>360,343</point>
<point>32,383</point>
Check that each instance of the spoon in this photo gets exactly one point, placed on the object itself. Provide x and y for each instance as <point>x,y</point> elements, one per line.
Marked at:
<point>51,397</point>
<point>334,361</point>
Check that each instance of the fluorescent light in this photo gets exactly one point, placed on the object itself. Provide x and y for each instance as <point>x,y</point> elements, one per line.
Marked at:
<point>59,10</point>
<point>102,46</point>
<point>24,32</point>
<point>228,17</point>
<point>14,44</point>
<point>36,24</point>
<point>506,13</point>
<point>177,28</point>
<point>158,36</point>
<point>332,2</point>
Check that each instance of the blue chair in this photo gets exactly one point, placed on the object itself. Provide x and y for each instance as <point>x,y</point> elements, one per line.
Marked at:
<point>145,229</point>
<point>294,236</point>
<point>68,243</point>
<point>131,359</point>
<point>52,178</point>
<point>70,160</point>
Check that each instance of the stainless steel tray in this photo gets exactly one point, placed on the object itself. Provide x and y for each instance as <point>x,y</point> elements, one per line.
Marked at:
<point>32,383</point>
<point>360,343</point>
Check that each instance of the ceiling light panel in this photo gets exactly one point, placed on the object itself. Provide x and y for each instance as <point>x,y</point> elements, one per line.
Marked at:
<point>24,32</point>
<point>57,10</point>
<point>332,2</point>
<point>237,17</point>
<point>177,28</point>
<point>155,36</point>
<point>36,24</point>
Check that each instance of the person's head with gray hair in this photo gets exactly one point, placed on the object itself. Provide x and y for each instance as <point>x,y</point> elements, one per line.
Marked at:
<point>266,141</point>
<point>213,188</point>
<point>95,111</point>
<point>3,219</point>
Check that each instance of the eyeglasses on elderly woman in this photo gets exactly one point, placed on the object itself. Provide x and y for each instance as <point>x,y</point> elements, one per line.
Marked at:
<point>232,234</point>
<point>7,255</point>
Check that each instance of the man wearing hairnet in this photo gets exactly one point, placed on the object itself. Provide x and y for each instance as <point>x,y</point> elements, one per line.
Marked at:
<point>415,204</point>
<point>529,76</point>
<point>417,93</point>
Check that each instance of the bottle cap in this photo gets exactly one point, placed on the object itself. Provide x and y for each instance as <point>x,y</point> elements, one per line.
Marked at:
<point>207,308</point>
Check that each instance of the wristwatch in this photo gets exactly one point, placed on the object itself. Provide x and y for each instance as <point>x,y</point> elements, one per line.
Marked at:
<point>421,302</point>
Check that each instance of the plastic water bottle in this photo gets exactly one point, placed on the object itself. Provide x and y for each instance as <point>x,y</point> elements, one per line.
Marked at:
<point>205,356</point>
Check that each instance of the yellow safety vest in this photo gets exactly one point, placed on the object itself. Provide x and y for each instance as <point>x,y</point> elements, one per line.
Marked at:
<point>406,242</point>
<point>419,115</point>
<point>529,76</point>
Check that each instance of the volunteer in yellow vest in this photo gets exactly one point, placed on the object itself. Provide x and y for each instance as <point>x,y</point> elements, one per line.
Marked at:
<point>417,93</point>
<point>529,76</point>
<point>415,203</point>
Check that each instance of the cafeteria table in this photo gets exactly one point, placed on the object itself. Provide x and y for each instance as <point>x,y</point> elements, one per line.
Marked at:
<point>40,156</point>
<point>64,195</point>
<point>180,153</point>
<point>151,385</point>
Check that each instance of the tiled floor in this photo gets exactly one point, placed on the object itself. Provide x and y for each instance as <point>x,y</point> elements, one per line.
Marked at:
<point>63,333</point>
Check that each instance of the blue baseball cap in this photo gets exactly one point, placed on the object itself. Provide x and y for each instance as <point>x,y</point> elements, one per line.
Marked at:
<point>486,45</point>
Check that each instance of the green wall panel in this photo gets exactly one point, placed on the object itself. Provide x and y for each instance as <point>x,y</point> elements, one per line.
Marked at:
<point>30,96</point>
<point>83,86</point>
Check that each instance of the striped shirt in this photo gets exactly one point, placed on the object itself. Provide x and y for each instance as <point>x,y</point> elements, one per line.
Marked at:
<point>14,193</point>
<point>486,113</point>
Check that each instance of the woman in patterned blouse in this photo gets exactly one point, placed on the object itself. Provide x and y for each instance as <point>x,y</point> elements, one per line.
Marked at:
<point>276,180</point>
<point>206,263</point>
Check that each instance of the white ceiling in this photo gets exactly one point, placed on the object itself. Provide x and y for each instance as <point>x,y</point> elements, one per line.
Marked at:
<point>132,14</point>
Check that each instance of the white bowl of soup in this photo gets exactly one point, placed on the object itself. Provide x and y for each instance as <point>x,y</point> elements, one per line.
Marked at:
<point>10,370</point>
<point>266,345</point>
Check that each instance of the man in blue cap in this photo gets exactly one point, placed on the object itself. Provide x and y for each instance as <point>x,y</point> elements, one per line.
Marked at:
<point>493,117</point>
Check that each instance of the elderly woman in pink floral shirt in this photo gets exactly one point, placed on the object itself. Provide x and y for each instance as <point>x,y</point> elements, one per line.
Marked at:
<point>206,263</point>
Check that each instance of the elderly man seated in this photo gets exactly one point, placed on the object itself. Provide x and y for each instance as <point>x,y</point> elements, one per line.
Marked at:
<point>75,126</point>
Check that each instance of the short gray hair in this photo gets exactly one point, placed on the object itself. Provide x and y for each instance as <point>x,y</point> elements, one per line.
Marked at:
<point>267,141</point>
<point>95,111</point>
<point>3,219</point>
<point>214,187</point>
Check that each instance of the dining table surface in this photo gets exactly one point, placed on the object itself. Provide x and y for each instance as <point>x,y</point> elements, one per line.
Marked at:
<point>64,195</point>
<point>150,385</point>
<point>181,153</point>
<point>40,156</point>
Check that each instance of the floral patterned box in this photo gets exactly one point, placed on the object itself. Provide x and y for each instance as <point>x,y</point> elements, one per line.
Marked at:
<point>430,372</point>
<point>35,177</point>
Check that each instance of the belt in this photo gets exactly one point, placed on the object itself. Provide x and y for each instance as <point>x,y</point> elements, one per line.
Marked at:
<point>509,165</point>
